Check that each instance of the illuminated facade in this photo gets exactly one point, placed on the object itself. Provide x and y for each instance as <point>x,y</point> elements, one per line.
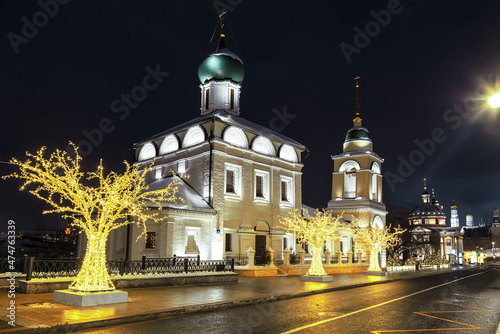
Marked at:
<point>454,220</point>
<point>357,186</point>
<point>469,219</point>
<point>496,218</point>
<point>242,177</point>
<point>429,231</point>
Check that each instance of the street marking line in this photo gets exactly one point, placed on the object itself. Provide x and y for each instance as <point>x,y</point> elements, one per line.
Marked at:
<point>375,306</point>
<point>477,308</point>
<point>481,298</point>
<point>426,314</point>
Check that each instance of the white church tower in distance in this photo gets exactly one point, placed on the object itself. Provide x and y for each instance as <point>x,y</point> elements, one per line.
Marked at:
<point>469,220</point>
<point>357,183</point>
<point>454,220</point>
<point>242,177</point>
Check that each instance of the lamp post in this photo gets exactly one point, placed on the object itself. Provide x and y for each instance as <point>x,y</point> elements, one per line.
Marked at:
<point>493,249</point>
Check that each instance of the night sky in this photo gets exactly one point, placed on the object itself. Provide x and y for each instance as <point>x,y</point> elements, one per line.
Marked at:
<point>422,75</point>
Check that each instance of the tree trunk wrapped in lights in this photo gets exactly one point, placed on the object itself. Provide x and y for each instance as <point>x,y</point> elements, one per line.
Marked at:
<point>96,203</point>
<point>314,230</point>
<point>375,239</point>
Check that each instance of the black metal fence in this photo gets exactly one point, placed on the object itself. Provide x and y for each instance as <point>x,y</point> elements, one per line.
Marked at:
<point>50,268</point>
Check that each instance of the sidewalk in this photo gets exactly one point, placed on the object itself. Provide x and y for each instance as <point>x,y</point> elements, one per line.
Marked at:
<point>39,311</point>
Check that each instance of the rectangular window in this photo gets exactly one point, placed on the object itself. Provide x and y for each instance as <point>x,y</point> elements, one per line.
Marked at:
<point>181,166</point>
<point>261,186</point>
<point>284,192</point>
<point>230,181</point>
<point>207,98</point>
<point>232,98</point>
<point>259,183</point>
<point>229,242</point>
<point>233,181</point>
<point>158,173</point>
<point>285,243</point>
<point>150,240</point>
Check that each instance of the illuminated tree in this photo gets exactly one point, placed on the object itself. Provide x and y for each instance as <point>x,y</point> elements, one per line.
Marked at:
<point>314,230</point>
<point>375,239</point>
<point>96,203</point>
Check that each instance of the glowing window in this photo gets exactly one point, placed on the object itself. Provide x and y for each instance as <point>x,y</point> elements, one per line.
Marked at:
<point>181,166</point>
<point>375,171</point>
<point>263,145</point>
<point>158,173</point>
<point>194,135</point>
<point>148,151</point>
<point>350,184</point>
<point>377,222</point>
<point>169,144</point>
<point>236,137</point>
<point>288,153</point>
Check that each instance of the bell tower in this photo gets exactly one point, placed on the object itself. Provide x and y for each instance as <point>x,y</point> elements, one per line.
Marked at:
<point>357,178</point>
<point>454,222</point>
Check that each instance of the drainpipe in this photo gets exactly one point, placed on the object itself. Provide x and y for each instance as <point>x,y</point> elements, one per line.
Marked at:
<point>210,140</point>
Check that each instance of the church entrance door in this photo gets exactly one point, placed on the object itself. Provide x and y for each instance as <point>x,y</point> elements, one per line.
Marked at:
<point>260,249</point>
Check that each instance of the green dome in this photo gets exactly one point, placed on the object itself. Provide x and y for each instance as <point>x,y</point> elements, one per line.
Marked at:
<point>357,133</point>
<point>223,65</point>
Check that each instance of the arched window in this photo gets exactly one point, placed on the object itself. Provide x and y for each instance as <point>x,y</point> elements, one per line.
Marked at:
<point>377,222</point>
<point>148,151</point>
<point>169,144</point>
<point>349,168</point>
<point>194,135</point>
<point>235,136</point>
<point>375,173</point>
<point>288,153</point>
<point>263,145</point>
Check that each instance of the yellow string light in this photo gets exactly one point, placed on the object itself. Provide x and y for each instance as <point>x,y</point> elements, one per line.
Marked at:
<point>377,238</point>
<point>314,230</point>
<point>96,209</point>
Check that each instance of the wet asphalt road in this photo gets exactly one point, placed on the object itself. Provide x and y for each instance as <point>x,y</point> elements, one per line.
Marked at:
<point>457,302</point>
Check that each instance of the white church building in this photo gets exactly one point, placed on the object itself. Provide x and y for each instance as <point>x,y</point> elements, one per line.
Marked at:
<point>242,177</point>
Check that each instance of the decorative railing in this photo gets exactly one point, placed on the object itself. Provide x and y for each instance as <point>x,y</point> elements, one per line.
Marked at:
<point>50,268</point>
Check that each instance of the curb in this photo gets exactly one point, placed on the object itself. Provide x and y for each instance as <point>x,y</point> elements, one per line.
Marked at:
<point>209,307</point>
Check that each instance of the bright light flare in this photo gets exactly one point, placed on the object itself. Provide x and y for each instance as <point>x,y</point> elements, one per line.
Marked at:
<point>494,100</point>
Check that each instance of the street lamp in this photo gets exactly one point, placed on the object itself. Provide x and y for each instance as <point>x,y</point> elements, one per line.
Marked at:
<point>494,100</point>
